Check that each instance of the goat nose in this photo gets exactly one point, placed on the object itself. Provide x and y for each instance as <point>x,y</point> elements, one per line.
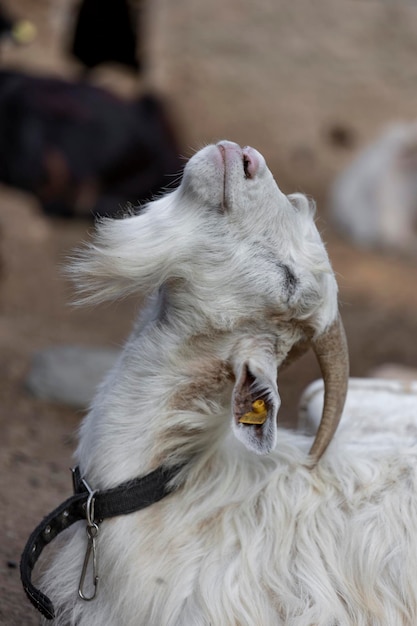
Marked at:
<point>229,145</point>
<point>250,157</point>
<point>229,149</point>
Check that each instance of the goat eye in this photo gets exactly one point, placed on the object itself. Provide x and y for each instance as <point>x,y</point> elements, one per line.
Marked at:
<point>246,163</point>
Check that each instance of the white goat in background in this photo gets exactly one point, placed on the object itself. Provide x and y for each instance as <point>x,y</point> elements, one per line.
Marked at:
<point>373,201</point>
<point>256,534</point>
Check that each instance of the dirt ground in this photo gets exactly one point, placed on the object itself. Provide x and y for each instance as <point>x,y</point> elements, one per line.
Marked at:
<point>378,298</point>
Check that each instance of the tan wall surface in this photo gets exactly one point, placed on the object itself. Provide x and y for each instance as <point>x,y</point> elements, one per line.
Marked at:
<point>280,75</point>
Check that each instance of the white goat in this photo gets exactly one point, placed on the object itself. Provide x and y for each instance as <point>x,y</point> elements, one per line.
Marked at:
<point>373,201</point>
<point>253,535</point>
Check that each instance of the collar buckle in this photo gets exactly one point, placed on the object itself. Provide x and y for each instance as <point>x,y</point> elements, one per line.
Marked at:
<point>92,529</point>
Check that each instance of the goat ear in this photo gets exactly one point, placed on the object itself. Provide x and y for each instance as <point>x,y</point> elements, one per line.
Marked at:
<point>255,404</point>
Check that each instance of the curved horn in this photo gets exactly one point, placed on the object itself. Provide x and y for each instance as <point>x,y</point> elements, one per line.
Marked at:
<point>332,354</point>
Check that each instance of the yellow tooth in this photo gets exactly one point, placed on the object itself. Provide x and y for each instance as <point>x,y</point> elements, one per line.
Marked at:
<point>258,414</point>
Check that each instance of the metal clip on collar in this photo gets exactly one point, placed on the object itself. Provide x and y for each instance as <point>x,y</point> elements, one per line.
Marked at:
<point>92,533</point>
<point>133,495</point>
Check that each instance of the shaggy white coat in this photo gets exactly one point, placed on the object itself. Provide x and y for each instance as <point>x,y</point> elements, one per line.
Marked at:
<point>252,536</point>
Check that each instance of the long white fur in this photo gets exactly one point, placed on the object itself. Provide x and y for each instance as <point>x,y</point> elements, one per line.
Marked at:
<point>248,539</point>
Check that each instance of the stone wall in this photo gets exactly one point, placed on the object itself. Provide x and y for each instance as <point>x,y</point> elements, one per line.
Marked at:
<point>308,83</point>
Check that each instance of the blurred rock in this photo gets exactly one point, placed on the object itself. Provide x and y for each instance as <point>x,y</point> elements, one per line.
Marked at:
<point>69,374</point>
<point>374,201</point>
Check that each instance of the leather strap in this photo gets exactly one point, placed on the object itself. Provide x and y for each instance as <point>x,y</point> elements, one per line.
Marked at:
<point>128,497</point>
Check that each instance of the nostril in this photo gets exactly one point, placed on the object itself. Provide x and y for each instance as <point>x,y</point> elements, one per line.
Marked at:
<point>246,163</point>
<point>250,162</point>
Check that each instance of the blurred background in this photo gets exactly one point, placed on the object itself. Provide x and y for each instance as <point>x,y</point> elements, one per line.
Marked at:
<point>100,103</point>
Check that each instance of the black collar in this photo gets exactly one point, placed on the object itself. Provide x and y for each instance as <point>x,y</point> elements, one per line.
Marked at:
<point>93,507</point>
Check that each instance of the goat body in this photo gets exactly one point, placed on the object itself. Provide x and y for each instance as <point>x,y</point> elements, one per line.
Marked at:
<point>237,282</point>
